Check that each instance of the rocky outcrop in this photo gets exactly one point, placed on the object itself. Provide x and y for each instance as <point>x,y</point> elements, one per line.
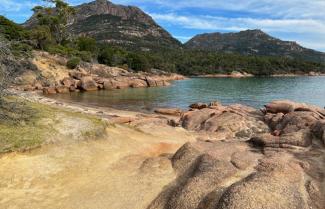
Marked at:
<point>234,74</point>
<point>52,73</point>
<point>281,124</point>
<point>203,168</point>
<point>261,162</point>
<point>226,121</point>
<point>292,124</point>
<point>276,184</point>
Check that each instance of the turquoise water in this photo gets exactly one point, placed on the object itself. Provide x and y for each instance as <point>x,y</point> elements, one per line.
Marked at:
<point>254,92</point>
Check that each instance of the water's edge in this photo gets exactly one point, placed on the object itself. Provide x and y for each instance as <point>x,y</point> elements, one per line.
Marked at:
<point>253,91</point>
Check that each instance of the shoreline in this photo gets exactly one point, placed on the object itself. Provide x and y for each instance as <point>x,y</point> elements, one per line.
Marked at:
<point>103,112</point>
<point>233,143</point>
<point>251,76</point>
<point>109,114</point>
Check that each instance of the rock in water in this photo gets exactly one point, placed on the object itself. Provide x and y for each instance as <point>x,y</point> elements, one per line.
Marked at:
<point>62,89</point>
<point>88,84</point>
<point>49,90</point>
<point>198,106</point>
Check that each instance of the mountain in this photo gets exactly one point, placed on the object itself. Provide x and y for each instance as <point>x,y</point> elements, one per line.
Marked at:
<point>252,42</point>
<point>120,25</point>
<point>131,28</point>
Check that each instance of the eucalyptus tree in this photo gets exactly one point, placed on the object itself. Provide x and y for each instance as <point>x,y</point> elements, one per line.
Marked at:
<point>54,19</point>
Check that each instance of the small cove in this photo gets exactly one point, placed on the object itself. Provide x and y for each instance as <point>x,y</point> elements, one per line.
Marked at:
<point>255,92</point>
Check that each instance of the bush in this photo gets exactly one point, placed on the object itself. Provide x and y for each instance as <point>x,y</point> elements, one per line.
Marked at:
<point>87,44</point>
<point>112,56</point>
<point>12,31</point>
<point>42,36</point>
<point>106,57</point>
<point>21,49</point>
<point>137,62</point>
<point>73,62</point>
<point>85,56</point>
<point>61,50</point>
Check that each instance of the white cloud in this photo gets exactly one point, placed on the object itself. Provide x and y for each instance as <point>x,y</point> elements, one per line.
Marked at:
<point>224,23</point>
<point>275,8</point>
<point>16,7</point>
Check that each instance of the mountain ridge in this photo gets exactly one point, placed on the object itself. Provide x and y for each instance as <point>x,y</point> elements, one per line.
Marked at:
<point>118,24</point>
<point>252,42</point>
<point>132,28</point>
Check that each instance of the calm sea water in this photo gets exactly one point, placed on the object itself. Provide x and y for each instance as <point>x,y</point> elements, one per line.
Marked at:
<point>254,92</point>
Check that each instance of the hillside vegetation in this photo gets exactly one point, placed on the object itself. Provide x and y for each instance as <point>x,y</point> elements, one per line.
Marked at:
<point>51,32</point>
<point>253,42</point>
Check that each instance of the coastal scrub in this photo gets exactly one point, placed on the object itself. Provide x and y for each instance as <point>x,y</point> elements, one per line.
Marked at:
<point>44,124</point>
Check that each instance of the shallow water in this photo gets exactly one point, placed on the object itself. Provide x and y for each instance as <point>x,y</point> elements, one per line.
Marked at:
<point>254,92</point>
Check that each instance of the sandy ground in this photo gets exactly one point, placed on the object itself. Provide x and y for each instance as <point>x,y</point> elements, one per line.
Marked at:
<point>126,169</point>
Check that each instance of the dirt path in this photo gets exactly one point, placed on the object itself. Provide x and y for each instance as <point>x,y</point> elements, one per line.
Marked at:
<point>128,169</point>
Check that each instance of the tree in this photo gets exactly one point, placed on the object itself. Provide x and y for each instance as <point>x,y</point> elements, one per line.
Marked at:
<point>112,56</point>
<point>87,44</point>
<point>106,56</point>
<point>56,18</point>
<point>42,35</point>
<point>137,62</point>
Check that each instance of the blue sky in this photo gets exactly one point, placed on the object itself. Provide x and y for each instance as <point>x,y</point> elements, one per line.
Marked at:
<point>302,21</point>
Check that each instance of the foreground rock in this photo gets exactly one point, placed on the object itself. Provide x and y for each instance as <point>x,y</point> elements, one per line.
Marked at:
<point>291,124</point>
<point>169,111</point>
<point>276,172</point>
<point>280,124</point>
<point>226,121</point>
<point>278,183</point>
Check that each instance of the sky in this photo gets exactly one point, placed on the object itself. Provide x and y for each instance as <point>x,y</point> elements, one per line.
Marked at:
<point>302,21</point>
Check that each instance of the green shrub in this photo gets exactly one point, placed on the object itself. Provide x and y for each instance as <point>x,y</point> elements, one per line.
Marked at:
<point>85,56</point>
<point>42,36</point>
<point>87,44</point>
<point>137,62</point>
<point>112,56</point>
<point>12,31</point>
<point>61,50</point>
<point>73,62</point>
<point>21,49</point>
<point>106,57</point>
